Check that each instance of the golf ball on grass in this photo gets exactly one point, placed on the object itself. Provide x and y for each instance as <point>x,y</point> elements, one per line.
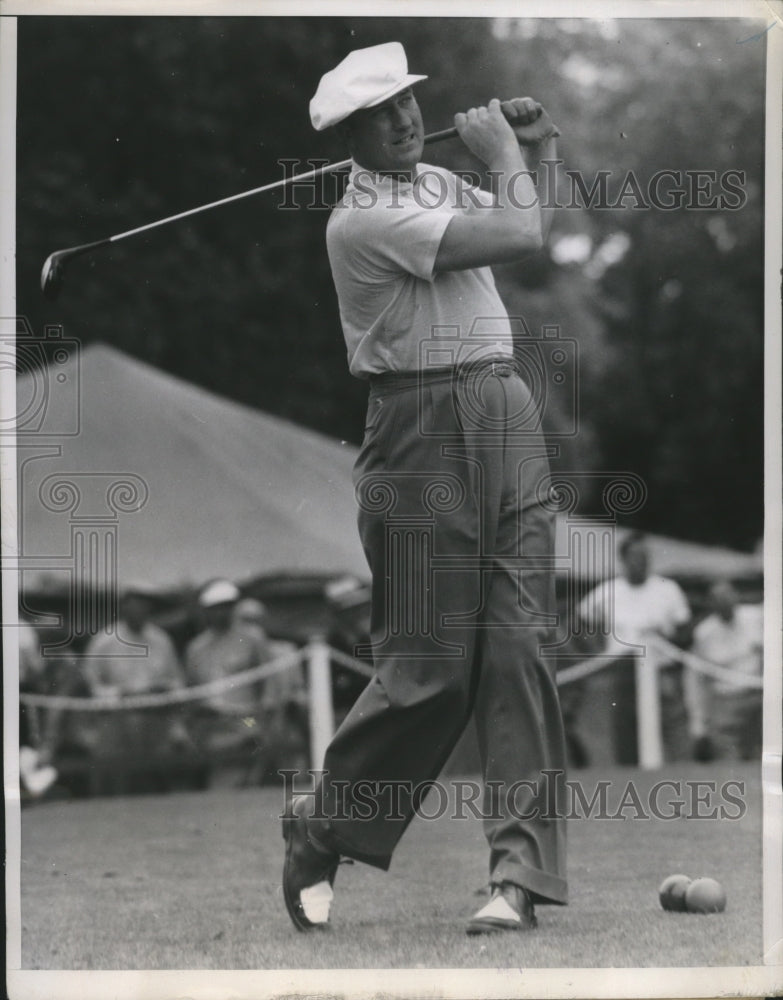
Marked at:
<point>705,895</point>
<point>672,891</point>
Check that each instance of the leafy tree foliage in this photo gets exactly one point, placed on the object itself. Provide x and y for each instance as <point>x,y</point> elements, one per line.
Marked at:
<point>125,120</point>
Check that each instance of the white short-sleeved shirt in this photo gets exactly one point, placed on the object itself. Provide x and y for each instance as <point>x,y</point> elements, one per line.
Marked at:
<point>736,645</point>
<point>111,663</point>
<point>215,655</point>
<point>397,314</point>
<point>656,606</point>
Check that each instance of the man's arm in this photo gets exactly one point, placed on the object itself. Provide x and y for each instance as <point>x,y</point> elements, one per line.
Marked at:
<point>682,635</point>
<point>173,671</point>
<point>539,149</point>
<point>680,630</point>
<point>512,227</point>
<point>535,155</point>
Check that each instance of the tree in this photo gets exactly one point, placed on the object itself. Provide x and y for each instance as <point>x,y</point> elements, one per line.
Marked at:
<point>148,116</point>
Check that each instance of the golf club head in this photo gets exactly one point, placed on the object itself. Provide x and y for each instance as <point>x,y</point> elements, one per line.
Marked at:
<point>52,270</point>
<point>52,275</point>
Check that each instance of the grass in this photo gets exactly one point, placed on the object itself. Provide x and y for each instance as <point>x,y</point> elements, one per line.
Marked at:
<point>192,881</point>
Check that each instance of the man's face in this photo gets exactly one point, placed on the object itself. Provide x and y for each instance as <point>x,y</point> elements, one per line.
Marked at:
<point>637,563</point>
<point>219,616</point>
<point>389,138</point>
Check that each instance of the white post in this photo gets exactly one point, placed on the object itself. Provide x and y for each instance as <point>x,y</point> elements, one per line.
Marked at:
<point>319,678</point>
<point>648,712</point>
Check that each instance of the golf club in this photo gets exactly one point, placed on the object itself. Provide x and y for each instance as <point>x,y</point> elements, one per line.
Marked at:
<point>52,270</point>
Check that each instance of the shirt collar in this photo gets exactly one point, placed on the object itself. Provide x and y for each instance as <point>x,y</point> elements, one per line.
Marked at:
<point>380,181</point>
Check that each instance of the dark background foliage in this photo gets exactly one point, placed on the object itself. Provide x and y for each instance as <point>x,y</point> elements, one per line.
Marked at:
<point>124,120</point>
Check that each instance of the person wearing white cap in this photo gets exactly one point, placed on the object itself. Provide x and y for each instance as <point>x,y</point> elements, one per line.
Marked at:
<point>450,480</point>
<point>226,646</point>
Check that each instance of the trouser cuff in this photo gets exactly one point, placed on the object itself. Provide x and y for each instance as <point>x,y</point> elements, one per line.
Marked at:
<point>328,839</point>
<point>543,887</point>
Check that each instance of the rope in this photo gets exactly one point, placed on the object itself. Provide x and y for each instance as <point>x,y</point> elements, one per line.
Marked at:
<point>178,697</point>
<point>592,666</point>
<point>735,677</point>
<point>575,673</point>
<point>348,661</point>
<point>584,669</point>
<point>571,674</point>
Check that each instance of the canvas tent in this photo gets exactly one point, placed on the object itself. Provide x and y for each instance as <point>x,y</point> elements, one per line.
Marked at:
<point>688,562</point>
<point>212,488</point>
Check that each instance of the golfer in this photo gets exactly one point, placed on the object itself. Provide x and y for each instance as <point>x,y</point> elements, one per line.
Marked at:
<point>450,481</point>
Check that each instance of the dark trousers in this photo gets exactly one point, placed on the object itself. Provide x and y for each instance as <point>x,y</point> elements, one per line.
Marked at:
<point>736,719</point>
<point>451,481</point>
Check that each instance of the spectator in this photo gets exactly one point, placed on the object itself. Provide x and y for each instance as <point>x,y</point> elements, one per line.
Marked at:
<point>726,715</point>
<point>570,649</point>
<point>251,612</point>
<point>284,701</point>
<point>229,722</point>
<point>36,773</point>
<point>227,646</point>
<point>137,658</point>
<point>348,601</point>
<point>67,734</point>
<point>627,609</point>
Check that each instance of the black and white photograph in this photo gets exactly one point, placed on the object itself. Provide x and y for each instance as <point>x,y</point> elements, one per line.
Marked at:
<point>390,439</point>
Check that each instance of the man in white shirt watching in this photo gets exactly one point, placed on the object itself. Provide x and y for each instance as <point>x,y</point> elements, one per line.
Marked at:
<point>726,715</point>
<point>628,610</point>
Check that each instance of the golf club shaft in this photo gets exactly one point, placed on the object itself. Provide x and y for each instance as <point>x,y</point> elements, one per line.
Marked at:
<point>446,133</point>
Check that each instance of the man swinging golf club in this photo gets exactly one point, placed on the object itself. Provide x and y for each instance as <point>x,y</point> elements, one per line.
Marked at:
<point>450,484</point>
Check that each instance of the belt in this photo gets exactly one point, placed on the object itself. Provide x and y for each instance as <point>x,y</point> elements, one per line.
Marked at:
<point>503,366</point>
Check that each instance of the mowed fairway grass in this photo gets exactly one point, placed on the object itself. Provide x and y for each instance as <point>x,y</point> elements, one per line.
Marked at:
<point>192,881</point>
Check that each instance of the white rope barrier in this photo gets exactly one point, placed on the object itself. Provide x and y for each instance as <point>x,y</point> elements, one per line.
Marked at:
<point>319,657</point>
<point>201,691</point>
<point>574,673</point>
<point>736,677</point>
<point>177,697</point>
<point>584,669</point>
<point>348,661</point>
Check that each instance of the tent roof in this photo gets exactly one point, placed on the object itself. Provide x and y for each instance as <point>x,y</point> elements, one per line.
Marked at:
<point>231,491</point>
<point>578,537</point>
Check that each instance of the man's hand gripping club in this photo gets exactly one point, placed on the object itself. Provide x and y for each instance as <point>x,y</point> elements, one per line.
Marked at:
<point>512,228</point>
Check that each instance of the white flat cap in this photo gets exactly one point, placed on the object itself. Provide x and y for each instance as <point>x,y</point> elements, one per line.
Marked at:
<point>365,78</point>
<point>219,592</point>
